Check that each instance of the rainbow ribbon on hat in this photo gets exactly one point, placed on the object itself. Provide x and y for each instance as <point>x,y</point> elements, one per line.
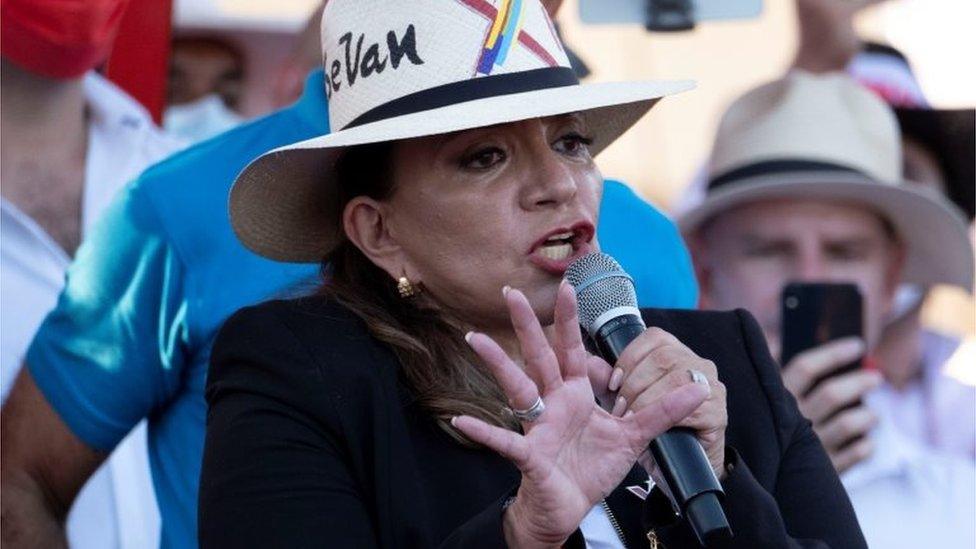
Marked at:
<point>504,30</point>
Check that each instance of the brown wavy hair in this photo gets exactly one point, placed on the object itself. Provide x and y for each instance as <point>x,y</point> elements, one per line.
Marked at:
<point>444,374</point>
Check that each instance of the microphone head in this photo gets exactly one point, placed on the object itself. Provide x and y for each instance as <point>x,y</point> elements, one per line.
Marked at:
<point>603,290</point>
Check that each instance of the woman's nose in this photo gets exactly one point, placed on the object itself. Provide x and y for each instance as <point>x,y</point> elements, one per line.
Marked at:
<point>551,184</point>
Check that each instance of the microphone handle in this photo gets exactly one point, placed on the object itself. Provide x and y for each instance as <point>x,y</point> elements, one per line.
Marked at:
<point>677,452</point>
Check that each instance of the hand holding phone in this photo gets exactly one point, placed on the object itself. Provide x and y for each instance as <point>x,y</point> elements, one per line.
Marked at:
<point>815,313</point>
<point>822,350</point>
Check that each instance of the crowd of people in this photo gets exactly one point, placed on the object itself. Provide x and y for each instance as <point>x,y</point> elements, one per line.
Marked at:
<point>344,323</point>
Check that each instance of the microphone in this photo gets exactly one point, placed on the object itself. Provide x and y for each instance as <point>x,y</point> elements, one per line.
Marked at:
<point>608,312</point>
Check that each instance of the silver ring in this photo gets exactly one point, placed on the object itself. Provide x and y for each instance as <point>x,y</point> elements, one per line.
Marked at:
<point>698,377</point>
<point>532,413</point>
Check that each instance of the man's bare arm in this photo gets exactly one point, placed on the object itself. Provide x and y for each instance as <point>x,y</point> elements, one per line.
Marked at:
<point>43,465</point>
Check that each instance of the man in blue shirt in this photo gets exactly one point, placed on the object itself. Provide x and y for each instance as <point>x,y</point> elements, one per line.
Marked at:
<point>131,335</point>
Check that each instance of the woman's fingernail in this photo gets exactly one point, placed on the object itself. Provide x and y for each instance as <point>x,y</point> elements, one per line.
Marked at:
<point>506,289</point>
<point>615,379</point>
<point>619,406</point>
<point>468,336</point>
<point>454,421</point>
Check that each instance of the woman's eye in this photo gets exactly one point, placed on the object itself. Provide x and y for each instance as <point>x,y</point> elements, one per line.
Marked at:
<point>483,159</point>
<point>574,144</point>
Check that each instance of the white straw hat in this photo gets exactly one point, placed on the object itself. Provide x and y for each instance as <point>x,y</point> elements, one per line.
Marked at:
<point>402,69</point>
<point>827,137</point>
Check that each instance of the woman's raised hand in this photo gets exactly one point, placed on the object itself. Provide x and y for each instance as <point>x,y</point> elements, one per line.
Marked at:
<point>575,453</point>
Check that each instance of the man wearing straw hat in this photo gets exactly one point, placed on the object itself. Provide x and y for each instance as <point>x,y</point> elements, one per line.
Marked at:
<point>939,151</point>
<point>806,185</point>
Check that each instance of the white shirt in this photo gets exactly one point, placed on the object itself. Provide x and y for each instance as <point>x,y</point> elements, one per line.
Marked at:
<point>908,496</point>
<point>938,410</point>
<point>598,531</point>
<point>919,485</point>
<point>117,507</point>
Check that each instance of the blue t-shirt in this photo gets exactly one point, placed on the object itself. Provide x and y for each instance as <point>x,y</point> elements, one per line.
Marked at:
<point>132,331</point>
<point>649,247</point>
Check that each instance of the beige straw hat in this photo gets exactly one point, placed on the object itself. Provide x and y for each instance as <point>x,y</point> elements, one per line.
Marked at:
<point>396,70</point>
<point>827,137</point>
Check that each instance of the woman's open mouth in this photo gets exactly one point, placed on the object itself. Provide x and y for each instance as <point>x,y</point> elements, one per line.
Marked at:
<point>555,251</point>
<point>558,246</point>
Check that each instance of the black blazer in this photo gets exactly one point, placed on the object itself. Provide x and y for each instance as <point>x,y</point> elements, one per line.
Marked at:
<point>314,441</point>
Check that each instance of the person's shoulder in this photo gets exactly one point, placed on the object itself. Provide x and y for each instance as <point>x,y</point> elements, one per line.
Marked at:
<point>214,163</point>
<point>316,331</point>
<point>310,351</point>
<point>306,318</point>
<point>697,328</point>
<point>648,246</point>
<point>188,190</point>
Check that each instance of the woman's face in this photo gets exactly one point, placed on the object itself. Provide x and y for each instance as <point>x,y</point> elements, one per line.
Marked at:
<point>476,210</point>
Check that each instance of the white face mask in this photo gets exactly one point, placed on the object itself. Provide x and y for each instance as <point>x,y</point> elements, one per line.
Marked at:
<point>201,119</point>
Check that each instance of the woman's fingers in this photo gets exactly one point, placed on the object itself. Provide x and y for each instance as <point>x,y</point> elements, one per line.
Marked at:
<point>662,368</point>
<point>665,412</point>
<point>599,373</point>
<point>671,381</point>
<point>508,444</point>
<point>654,344</point>
<point>569,342</point>
<point>666,367</point>
<point>521,391</point>
<point>540,359</point>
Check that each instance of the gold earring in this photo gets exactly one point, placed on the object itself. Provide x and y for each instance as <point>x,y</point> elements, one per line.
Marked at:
<point>406,288</point>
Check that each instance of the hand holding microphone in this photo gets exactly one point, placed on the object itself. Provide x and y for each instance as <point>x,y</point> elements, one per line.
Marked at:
<point>653,364</point>
<point>649,362</point>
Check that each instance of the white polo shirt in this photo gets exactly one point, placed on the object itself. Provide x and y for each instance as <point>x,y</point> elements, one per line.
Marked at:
<point>117,507</point>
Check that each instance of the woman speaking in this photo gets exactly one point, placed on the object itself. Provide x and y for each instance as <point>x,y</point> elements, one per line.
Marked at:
<point>436,391</point>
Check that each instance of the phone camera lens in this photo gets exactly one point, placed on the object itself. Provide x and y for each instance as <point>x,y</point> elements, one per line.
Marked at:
<point>791,302</point>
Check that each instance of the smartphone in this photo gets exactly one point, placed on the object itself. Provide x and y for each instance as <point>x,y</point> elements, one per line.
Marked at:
<point>816,313</point>
<point>666,15</point>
